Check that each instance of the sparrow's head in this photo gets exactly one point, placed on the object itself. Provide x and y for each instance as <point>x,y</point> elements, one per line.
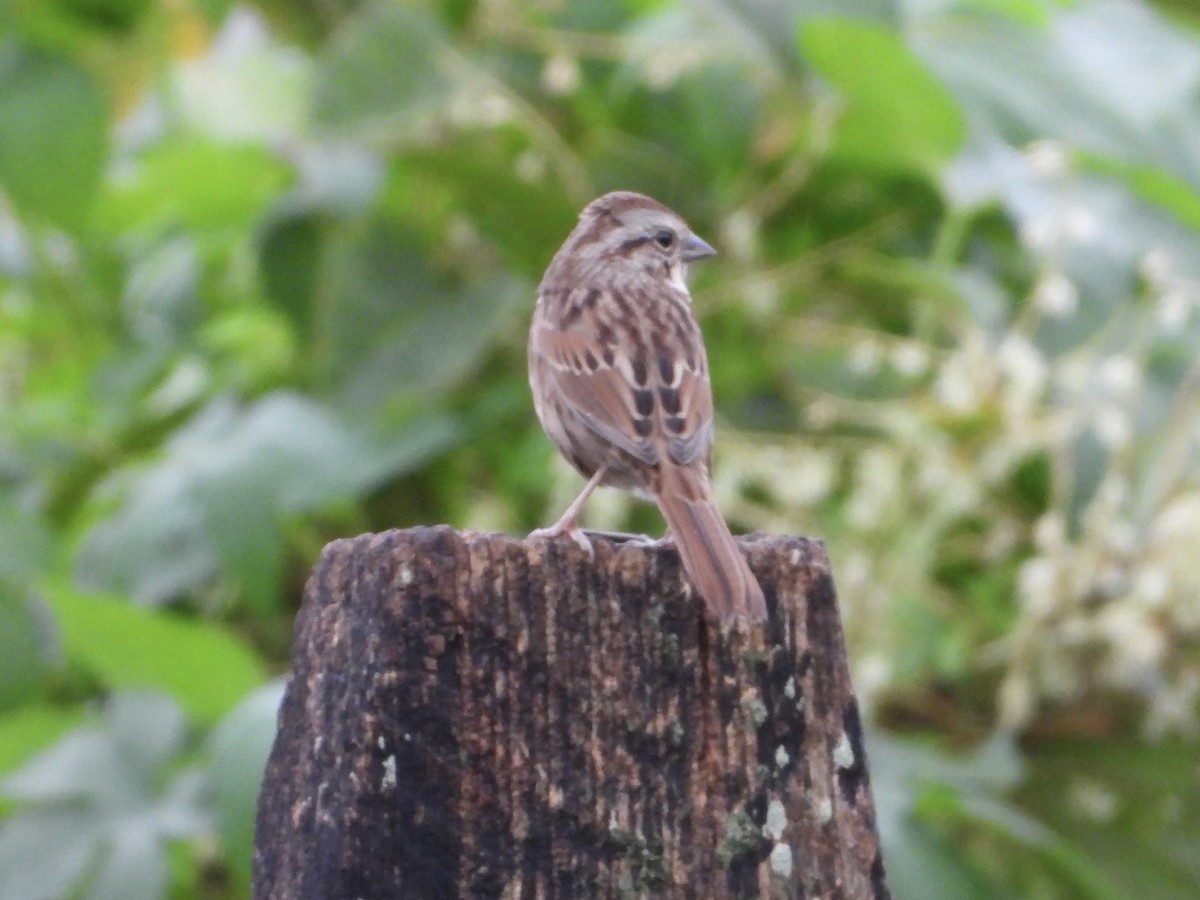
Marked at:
<point>637,226</point>
<point>624,231</point>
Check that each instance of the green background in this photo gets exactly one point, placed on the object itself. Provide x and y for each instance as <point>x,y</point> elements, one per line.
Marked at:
<point>265,277</point>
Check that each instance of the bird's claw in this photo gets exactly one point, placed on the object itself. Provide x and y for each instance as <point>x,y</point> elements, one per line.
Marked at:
<point>555,531</point>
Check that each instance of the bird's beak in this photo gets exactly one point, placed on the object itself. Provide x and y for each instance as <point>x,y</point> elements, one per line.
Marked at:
<point>696,248</point>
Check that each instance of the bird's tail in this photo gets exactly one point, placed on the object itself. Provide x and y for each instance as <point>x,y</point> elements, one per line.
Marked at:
<point>711,557</point>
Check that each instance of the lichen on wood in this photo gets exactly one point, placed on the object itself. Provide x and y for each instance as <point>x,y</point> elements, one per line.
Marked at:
<point>471,715</point>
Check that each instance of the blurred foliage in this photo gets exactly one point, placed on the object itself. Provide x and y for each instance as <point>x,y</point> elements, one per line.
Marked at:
<point>265,272</point>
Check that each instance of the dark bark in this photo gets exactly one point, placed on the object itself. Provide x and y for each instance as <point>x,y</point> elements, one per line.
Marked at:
<point>473,716</point>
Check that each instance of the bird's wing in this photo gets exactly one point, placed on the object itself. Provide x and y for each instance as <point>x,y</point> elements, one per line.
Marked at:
<point>597,392</point>
<point>641,386</point>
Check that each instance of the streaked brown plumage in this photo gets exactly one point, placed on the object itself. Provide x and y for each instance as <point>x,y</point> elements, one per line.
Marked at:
<point>620,383</point>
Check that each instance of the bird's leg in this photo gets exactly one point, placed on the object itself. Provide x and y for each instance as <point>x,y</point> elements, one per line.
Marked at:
<point>569,523</point>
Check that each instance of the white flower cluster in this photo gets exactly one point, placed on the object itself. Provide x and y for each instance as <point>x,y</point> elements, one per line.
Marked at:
<point>1098,574</point>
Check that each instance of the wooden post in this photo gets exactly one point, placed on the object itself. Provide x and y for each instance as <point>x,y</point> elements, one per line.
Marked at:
<point>473,716</point>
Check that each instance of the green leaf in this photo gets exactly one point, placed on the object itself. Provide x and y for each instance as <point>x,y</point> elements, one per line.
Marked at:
<point>1028,12</point>
<point>25,649</point>
<point>1131,808</point>
<point>290,260</point>
<point>195,184</point>
<point>395,327</point>
<point>1070,863</point>
<point>99,808</point>
<point>43,853</point>
<point>26,645</point>
<point>30,729</point>
<point>1107,78</point>
<point>220,497</point>
<point>109,15</point>
<point>252,91</point>
<point>898,115</point>
<point>701,130</point>
<point>238,750</point>
<point>25,541</point>
<point>830,367</point>
<point>160,301</point>
<point>523,219</point>
<point>921,863</point>
<point>1154,185</point>
<point>887,12</point>
<point>53,135</point>
<point>383,70</point>
<point>206,669</point>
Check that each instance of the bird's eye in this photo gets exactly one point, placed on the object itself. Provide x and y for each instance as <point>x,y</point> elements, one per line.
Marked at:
<point>665,239</point>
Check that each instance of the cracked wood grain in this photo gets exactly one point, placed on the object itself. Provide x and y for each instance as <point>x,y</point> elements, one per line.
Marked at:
<point>473,716</point>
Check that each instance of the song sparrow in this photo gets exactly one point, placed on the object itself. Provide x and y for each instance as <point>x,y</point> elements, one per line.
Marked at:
<point>620,384</point>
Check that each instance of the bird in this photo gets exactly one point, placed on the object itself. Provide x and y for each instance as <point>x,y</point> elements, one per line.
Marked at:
<point>620,383</point>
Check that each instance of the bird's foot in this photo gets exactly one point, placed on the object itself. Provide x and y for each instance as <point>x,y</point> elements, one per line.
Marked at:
<point>569,529</point>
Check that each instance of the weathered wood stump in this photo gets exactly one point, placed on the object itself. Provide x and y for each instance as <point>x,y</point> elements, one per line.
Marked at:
<point>471,716</point>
